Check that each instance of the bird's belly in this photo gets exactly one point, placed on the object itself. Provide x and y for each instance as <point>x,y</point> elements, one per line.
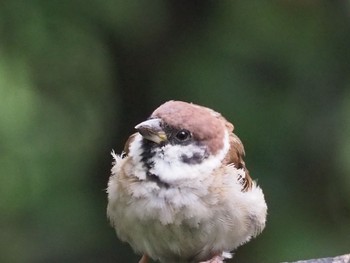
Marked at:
<point>181,230</point>
<point>182,240</point>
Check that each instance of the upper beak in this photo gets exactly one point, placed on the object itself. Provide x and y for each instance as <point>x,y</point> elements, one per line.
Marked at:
<point>152,130</point>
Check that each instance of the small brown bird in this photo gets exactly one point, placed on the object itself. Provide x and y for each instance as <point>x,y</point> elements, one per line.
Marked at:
<point>180,192</point>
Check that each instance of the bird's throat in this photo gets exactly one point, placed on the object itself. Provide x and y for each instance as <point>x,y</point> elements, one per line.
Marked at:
<point>154,178</point>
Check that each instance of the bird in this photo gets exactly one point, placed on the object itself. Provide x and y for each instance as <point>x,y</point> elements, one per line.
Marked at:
<point>180,191</point>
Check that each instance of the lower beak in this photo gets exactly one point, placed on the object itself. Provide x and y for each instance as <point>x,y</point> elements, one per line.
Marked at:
<point>151,130</point>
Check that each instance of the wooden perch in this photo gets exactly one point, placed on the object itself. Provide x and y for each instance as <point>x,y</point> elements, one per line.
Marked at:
<point>338,259</point>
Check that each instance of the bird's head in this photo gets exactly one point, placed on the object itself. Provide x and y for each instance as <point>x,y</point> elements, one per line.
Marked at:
<point>180,139</point>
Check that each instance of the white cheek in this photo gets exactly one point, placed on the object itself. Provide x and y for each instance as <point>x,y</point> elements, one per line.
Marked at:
<point>170,168</point>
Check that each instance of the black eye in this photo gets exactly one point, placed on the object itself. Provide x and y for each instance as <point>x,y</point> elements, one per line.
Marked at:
<point>183,135</point>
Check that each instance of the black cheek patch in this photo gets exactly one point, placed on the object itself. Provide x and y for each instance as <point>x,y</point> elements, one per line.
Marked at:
<point>196,158</point>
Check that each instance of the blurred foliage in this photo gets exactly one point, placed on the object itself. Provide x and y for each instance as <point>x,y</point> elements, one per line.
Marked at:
<point>76,76</point>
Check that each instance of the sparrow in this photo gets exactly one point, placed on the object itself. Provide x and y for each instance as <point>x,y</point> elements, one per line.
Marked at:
<point>180,192</point>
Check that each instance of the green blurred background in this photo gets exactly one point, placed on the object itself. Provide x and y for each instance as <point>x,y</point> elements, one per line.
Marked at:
<point>76,76</point>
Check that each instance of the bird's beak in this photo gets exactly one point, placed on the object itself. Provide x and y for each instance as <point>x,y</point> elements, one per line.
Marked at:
<point>152,130</point>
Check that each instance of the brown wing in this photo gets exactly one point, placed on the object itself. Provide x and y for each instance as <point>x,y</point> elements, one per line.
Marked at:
<point>235,156</point>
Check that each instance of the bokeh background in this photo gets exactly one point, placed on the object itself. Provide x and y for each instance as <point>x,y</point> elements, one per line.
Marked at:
<point>76,76</point>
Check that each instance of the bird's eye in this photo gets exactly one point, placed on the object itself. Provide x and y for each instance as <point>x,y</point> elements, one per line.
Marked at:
<point>183,135</point>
